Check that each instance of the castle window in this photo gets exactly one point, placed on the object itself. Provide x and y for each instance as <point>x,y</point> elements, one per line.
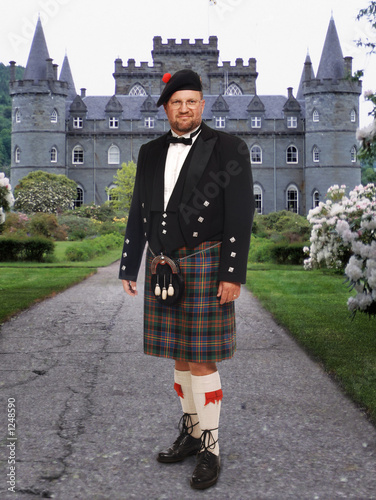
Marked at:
<point>256,122</point>
<point>78,155</point>
<point>149,122</point>
<point>111,193</point>
<point>292,154</point>
<point>353,116</point>
<point>233,89</point>
<point>292,199</point>
<point>292,122</point>
<point>315,154</point>
<point>113,155</point>
<point>220,122</point>
<point>18,116</point>
<point>353,154</point>
<point>114,122</point>
<point>54,116</point>
<point>315,116</point>
<point>256,154</point>
<point>137,89</point>
<point>17,155</point>
<point>257,191</point>
<point>78,122</point>
<point>53,155</point>
<point>79,201</point>
<point>315,199</point>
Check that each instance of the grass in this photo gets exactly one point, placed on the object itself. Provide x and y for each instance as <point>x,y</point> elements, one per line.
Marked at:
<point>24,283</point>
<point>312,306</point>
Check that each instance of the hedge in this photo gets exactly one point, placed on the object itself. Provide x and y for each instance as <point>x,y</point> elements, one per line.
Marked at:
<point>34,248</point>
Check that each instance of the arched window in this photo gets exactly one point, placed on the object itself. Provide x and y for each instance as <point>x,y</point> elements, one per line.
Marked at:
<point>54,116</point>
<point>315,116</point>
<point>353,116</point>
<point>256,154</point>
<point>53,154</point>
<point>113,155</point>
<point>78,155</point>
<point>17,155</point>
<point>17,116</point>
<point>137,89</point>
<point>257,191</point>
<point>315,154</point>
<point>233,89</point>
<point>79,201</point>
<point>292,199</point>
<point>315,199</point>
<point>292,154</point>
<point>353,154</point>
<point>110,193</point>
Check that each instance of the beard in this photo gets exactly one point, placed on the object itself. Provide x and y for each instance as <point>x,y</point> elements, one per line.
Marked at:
<point>185,125</point>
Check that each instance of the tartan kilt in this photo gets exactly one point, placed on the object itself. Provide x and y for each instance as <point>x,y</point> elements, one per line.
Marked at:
<point>198,328</point>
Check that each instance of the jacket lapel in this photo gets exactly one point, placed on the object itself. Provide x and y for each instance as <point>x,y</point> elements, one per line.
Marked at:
<point>198,161</point>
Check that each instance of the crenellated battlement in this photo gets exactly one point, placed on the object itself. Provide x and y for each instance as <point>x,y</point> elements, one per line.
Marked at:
<point>185,45</point>
<point>344,85</point>
<point>56,87</point>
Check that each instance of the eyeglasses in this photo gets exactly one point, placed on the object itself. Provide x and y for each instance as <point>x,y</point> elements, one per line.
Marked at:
<point>191,103</point>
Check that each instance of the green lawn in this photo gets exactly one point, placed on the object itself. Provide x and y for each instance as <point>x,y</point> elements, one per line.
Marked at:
<point>23,283</point>
<point>312,306</point>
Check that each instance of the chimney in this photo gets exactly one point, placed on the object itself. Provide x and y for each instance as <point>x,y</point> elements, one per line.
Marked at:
<point>348,66</point>
<point>12,71</point>
<point>55,68</point>
<point>289,92</point>
<point>83,92</point>
<point>307,71</point>
<point>50,70</point>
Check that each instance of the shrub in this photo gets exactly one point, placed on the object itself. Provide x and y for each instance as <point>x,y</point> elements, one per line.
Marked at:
<point>78,228</point>
<point>41,224</point>
<point>260,250</point>
<point>292,226</point>
<point>288,253</point>
<point>13,249</point>
<point>90,248</point>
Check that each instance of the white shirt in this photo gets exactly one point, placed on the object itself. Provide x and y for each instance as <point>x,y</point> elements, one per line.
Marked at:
<point>176,155</point>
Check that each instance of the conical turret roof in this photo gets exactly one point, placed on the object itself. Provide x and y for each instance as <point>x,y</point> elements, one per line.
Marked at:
<point>331,62</point>
<point>36,67</point>
<point>303,78</point>
<point>66,76</point>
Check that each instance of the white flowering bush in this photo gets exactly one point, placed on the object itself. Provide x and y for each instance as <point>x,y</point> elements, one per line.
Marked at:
<point>6,196</point>
<point>343,237</point>
<point>44,192</point>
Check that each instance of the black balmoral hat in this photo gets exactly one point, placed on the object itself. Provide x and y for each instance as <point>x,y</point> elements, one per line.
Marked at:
<point>185,79</point>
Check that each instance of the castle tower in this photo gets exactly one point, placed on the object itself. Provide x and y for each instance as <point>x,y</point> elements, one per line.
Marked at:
<point>332,117</point>
<point>39,112</point>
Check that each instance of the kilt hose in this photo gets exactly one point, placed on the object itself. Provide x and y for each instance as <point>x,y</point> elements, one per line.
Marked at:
<point>198,328</point>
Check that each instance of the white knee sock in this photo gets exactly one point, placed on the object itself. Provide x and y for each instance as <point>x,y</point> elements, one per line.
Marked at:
<point>183,379</point>
<point>207,395</point>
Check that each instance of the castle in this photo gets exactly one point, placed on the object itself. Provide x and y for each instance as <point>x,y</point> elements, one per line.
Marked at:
<point>299,145</point>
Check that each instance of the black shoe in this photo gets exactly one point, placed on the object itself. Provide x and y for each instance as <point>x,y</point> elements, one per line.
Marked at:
<point>206,471</point>
<point>184,446</point>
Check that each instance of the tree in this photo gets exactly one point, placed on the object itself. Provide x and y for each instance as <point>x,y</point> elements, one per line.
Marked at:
<point>121,195</point>
<point>367,135</point>
<point>44,192</point>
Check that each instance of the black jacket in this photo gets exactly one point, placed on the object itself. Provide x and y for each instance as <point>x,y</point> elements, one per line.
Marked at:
<point>212,200</point>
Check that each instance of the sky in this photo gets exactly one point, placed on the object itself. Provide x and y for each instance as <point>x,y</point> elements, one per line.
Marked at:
<point>93,33</point>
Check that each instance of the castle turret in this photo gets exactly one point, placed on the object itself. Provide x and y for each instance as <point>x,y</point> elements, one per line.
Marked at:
<point>38,114</point>
<point>332,117</point>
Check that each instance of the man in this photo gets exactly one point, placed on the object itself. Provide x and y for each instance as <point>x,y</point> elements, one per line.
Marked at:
<point>192,201</point>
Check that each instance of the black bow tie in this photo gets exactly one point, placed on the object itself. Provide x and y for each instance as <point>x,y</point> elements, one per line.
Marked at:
<point>182,140</point>
<point>179,140</point>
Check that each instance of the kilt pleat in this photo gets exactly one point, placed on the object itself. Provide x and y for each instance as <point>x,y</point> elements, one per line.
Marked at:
<point>198,328</point>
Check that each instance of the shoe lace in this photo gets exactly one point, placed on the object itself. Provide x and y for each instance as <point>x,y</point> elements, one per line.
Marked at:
<point>185,423</point>
<point>207,440</point>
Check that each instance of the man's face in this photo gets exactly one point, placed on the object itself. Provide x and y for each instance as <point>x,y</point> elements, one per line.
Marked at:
<point>184,110</point>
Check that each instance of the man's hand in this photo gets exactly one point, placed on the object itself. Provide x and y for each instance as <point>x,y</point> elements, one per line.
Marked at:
<point>130,287</point>
<point>228,291</point>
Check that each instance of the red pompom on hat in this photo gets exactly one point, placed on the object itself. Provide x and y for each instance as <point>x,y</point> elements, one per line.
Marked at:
<point>166,77</point>
<point>185,79</point>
